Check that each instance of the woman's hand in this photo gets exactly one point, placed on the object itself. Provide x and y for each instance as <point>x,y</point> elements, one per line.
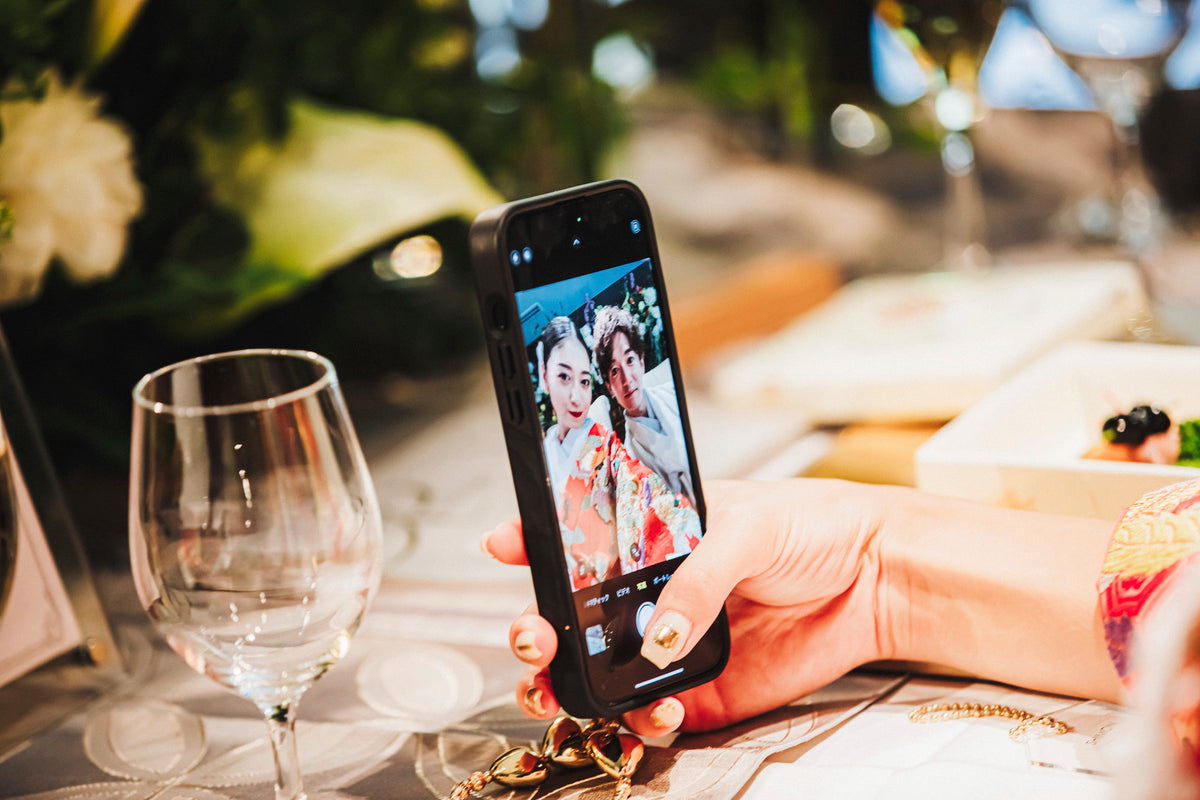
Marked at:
<point>797,566</point>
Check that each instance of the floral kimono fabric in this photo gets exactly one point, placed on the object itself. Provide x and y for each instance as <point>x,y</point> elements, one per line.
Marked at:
<point>1155,541</point>
<point>618,515</point>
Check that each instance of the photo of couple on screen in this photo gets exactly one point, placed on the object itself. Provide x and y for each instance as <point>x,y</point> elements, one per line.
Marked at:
<point>614,441</point>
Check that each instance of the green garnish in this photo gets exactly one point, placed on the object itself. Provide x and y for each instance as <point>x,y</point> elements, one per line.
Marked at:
<point>1189,443</point>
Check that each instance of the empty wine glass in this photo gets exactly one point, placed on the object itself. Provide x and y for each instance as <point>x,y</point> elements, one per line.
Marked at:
<point>930,51</point>
<point>1118,48</point>
<point>253,524</point>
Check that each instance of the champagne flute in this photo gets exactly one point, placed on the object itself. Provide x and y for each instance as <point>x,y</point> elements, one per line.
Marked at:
<point>930,51</point>
<point>1119,49</point>
<point>254,527</point>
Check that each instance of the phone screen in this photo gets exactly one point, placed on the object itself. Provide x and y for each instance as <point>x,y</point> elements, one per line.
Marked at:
<point>617,451</point>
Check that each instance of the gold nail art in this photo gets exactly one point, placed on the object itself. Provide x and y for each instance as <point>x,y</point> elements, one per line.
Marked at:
<point>666,639</point>
<point>526,646</point>
<point>667,715</point>
<point>533,701</point>
<point>665,636</point>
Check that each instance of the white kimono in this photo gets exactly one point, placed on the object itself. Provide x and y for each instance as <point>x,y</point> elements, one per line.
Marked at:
<point>657,438</point>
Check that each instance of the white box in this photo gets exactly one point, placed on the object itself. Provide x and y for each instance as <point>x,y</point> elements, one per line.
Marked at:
<point>1022,445</point>
<point>925,347</point>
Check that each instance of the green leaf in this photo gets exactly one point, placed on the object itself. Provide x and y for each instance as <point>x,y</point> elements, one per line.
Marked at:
<point>337,184</point>
<point>1189,442</point>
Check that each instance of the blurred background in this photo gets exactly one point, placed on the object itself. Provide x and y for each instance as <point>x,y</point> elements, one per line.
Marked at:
<point>183,178</point>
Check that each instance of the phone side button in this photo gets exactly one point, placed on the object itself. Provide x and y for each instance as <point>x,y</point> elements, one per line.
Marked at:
<point>516,409</point>
<point>497,313</point>
<point>508,363</point>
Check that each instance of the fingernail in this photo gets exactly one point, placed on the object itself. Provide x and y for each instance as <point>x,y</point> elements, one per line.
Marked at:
<point>533,701</point>
<point>483,544</point>
<point>667,714</point>
<point>526,647</point>
<point>666,638</point>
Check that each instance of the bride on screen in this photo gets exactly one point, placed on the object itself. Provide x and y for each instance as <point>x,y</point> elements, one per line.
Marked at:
<point>565,369</point>
<point>615,514</point>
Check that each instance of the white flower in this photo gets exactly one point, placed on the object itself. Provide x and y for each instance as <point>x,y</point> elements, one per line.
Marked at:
<point>67,177</point>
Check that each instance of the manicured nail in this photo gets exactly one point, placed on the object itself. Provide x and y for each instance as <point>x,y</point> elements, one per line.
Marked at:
<point>666,638</point>
<point>667,714</point>
<point>526,647</point>
<point>533,701</point>
<point>483,544</point>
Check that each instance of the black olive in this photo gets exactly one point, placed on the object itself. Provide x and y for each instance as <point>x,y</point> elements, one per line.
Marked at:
<point>1134,428</point>
<point>1156,420</point>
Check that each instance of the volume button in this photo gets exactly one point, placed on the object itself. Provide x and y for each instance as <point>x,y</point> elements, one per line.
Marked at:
<point>508,364</point>
<point>516,409</point>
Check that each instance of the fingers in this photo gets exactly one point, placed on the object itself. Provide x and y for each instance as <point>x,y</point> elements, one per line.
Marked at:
<point>533,639</point>
<point>505,543</point>
<point>657,719</point>
<point>536,699</point>
<point>534,695</point>
<point>695,595</point>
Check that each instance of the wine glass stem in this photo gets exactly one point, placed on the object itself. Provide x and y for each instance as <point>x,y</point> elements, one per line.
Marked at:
<point>281,723</point>
<point>1139,219</point>
<point>964,230</point>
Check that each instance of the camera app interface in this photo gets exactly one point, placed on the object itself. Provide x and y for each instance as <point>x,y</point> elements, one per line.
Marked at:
<point>615,449</point>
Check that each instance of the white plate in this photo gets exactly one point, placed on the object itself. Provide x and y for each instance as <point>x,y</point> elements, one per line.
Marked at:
<point>1022,445</point>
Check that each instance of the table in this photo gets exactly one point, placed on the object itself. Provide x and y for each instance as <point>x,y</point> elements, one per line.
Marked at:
<point>425,697</point>
<point>426,694</point>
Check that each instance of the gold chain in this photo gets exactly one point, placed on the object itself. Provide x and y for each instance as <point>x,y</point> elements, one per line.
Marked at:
<point>569,743</point>
<point>1026,721</point>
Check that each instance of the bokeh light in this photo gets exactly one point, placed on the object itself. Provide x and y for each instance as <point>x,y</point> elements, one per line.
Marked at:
<point>623,63</point>
<point>412,258</point>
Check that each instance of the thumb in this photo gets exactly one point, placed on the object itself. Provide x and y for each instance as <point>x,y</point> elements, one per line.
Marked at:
<point>694,597</point>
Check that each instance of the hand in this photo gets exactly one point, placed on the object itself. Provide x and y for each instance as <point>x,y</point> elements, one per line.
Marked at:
<point>796,565</point>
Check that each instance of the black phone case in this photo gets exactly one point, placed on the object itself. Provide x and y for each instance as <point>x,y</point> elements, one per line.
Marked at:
<point>523,438</point>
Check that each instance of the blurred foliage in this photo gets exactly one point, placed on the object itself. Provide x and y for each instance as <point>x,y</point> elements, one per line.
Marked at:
<point>222,67</point>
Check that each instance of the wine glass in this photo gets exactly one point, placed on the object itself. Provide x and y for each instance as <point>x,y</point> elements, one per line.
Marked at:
<point>930,51</point>
<point>253,524</point>
<point>9,522</point>
<point>1118,48</point>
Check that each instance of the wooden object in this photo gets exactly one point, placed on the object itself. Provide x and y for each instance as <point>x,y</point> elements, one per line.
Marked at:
<point>759,297</point>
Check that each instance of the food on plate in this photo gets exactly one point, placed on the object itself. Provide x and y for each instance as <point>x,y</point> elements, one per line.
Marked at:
<point>1147,435</point>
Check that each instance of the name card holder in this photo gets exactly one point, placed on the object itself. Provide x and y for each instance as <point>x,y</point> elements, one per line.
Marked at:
<point>56,648</point>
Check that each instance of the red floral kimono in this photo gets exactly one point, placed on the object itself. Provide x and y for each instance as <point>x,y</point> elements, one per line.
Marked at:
<point>618,516</point>
<point>1154,550</point>
<point>1157,538</point>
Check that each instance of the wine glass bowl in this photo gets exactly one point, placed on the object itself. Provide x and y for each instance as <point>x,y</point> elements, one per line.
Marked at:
<point>1119,49</point>
<point>254,527</point>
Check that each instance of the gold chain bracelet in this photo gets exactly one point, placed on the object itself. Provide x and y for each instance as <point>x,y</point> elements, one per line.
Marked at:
<point>569,743</point>
<point>1026,722</point>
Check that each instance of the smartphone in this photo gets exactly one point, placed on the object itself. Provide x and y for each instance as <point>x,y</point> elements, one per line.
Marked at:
<point>579,337</point>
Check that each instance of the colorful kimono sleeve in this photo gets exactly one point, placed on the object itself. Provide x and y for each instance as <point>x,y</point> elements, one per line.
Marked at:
<point>618,515</point>
<point>1156,538</point>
